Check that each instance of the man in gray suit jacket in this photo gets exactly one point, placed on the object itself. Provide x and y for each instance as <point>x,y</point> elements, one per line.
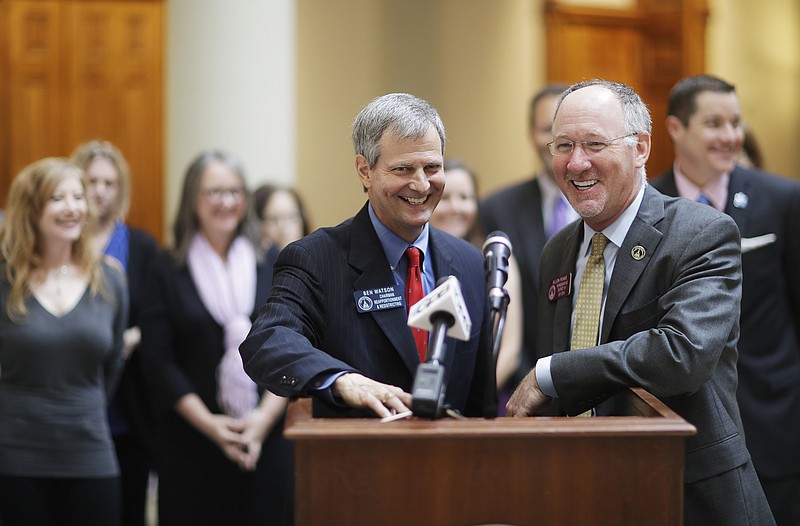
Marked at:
<point>670,318</point>
<point>705,124</point>
<point>317,336</point>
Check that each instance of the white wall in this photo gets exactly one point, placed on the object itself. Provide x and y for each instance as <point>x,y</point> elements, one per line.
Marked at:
<point>230,75</point>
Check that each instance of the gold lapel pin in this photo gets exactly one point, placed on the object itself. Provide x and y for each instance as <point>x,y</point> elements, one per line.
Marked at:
<point>638,252</point>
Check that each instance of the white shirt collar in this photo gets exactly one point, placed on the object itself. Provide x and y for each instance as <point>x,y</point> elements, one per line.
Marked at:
<point>616,231</point>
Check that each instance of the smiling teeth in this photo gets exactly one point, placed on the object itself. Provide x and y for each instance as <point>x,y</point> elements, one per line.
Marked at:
<point>414,201</point>
<point>585,184</point>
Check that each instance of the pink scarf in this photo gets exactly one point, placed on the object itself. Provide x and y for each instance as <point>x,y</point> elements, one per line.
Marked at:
<point>228,291</point>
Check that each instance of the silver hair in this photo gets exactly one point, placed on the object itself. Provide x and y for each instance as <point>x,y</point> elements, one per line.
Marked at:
<point>406,116</point>
<point>637,116</point>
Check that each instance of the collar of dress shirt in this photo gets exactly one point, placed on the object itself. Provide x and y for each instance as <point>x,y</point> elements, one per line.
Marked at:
<point>394,246</point>
<point>716,190</point>
<point>616,231</point>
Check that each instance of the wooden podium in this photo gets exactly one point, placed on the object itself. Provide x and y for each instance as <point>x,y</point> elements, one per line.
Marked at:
<point>520,471</point>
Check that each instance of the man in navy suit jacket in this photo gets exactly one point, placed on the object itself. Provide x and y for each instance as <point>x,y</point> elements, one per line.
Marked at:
<point>314,338</point>
<point>670,317</point>
<point>705,125</point>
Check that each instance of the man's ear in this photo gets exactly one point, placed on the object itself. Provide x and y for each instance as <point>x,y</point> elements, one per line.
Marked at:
<point>674,126</point>
<point>643,149</point>
<point>362,167</point>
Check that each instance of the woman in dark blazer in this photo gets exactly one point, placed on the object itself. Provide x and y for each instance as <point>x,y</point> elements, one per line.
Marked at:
<point>220,454</point>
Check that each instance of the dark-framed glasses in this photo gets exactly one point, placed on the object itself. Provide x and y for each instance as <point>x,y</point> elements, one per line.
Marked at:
<point>561,147</point>
<point>217,195</point>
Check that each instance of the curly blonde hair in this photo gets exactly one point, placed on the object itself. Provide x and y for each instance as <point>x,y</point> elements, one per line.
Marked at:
<point>20,242</point>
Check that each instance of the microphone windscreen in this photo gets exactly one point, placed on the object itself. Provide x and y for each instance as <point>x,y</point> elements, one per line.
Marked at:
<point>497,237</point>
<point>445,298</point>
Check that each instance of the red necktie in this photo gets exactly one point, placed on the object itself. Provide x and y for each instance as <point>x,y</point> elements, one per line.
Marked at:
<point>414,293</point>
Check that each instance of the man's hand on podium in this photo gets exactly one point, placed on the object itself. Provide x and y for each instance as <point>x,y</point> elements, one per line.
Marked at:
<point>358,391</point>
<point>527,399</point>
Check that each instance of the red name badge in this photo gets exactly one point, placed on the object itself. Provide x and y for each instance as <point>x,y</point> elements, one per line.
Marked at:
<point>560,287</point>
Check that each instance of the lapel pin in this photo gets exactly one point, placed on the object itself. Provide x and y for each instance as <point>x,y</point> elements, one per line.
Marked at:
<point>740,200</point>
<point>638,252</point>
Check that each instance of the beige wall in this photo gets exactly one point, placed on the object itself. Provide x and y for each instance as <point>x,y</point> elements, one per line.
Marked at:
<point>756,46</point>
<point>478,61</point>
<point>280,82</point>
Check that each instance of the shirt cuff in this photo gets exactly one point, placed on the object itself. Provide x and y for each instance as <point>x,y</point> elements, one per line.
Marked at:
<point>544,377</point>
<point>324,392</point>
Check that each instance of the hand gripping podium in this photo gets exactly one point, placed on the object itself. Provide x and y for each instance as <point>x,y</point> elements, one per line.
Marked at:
<point>609,470</point>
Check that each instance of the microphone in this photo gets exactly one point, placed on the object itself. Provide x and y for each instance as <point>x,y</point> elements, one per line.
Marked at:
<point>496,251</point>
<point>444,313</point>
<point>444,304</point>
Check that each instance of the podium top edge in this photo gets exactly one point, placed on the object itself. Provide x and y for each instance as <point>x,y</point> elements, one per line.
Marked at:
<point>503,427</point>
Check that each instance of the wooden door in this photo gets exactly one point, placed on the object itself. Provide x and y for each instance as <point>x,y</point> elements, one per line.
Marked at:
<point>32,34</point>
<point>80,70</point>
<point>649,47</point>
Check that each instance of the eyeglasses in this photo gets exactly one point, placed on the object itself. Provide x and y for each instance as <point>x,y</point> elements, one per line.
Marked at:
<point>565,146</point>
<point>293,217</point>
<point>217,195</point>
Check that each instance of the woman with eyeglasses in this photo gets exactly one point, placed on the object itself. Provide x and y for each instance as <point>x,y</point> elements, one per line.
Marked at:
<point>220,453</point>
<point>63,311</point>
<point>282,215</point>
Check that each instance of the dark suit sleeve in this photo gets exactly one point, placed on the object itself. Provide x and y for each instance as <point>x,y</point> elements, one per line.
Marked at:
<point>673,328</point>
<point>792,258</point>
<point>282,350</point>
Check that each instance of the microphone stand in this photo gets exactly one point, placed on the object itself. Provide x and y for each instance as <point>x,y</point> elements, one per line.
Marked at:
<point>428,391</point>
<point>498,300</point>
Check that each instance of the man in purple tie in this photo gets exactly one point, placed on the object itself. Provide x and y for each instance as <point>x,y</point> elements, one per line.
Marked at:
<point>530,213</point>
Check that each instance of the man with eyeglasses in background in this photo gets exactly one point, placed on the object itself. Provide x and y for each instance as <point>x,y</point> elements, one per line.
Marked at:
<point>705,124</point>
<point>530,212</point>
<point>666,318</point>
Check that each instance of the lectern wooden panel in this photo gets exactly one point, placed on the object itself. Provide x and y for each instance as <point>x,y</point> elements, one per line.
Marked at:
<point>546,470</point>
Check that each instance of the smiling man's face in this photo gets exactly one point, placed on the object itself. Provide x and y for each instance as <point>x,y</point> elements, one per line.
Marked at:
<point>406,183</point>
<point>598,185</point>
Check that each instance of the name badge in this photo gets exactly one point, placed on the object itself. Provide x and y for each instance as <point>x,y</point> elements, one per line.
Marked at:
<point>382,298</point>
<point>560,287</point>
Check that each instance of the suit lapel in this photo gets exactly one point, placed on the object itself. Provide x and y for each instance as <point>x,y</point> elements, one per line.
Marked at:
<point>441,252</point>
<point>666,184</point>
<point>367,256</point>
<point>633,256</point>
<point>563,315</point>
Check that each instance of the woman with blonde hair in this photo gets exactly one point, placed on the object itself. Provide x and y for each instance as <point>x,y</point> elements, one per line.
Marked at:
<point>62,314</point>
<point>108,191</point>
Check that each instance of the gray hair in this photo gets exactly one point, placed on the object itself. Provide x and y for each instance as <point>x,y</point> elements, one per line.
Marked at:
<point>637,116</point>
<point>406,116</point>
<point>186,222</point>
<point>634,110</point>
